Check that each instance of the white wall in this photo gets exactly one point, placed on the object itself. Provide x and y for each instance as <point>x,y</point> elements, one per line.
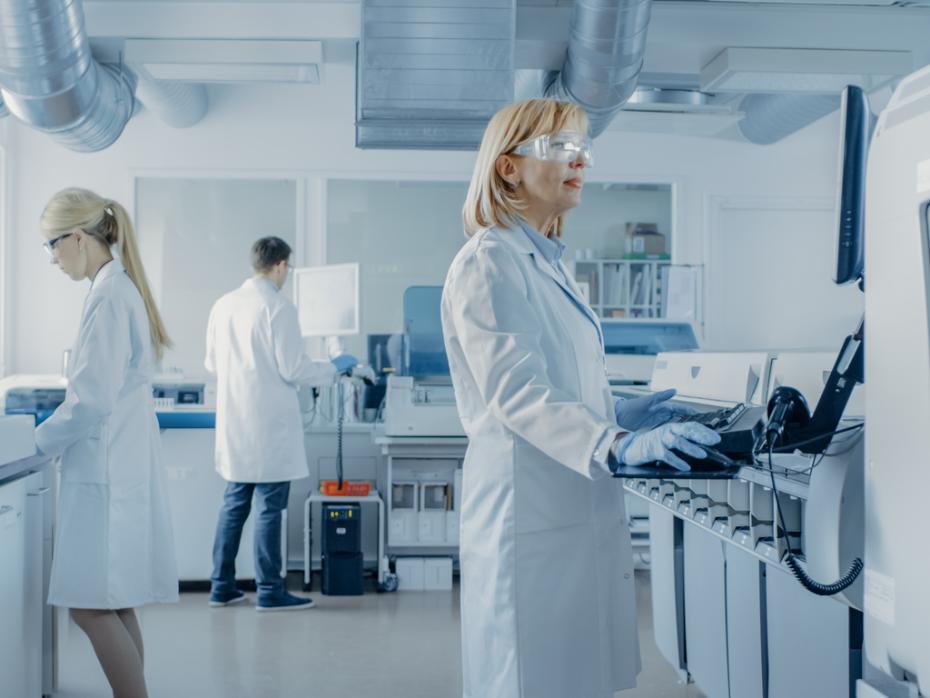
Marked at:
<point>4,247</point>
<point>308,131</point>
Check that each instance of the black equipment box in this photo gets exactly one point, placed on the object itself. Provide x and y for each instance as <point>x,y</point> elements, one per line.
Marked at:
<point>342,549</point>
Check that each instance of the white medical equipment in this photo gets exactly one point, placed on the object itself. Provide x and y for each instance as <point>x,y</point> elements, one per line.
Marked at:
<point>631,346</point>
<point>421,402</point>
<point>897,253</point>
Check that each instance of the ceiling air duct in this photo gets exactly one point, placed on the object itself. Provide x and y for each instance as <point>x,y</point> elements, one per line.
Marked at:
<point>605,56</point>
<point>50,81</point>
<point>772,117</point>
<point>431,77</point>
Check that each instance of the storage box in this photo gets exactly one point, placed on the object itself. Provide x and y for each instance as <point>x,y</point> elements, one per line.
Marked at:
<point>410,573</point>
<point>644,239</point>
<point>437,574</point>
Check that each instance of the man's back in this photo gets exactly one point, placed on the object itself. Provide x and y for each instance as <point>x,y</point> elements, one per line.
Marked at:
<point>255,349</point>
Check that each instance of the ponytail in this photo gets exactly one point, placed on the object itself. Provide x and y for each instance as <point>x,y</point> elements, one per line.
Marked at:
<point>109,222</point>
<point>129,253</point>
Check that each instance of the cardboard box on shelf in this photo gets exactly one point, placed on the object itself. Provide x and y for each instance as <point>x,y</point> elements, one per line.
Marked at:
<point>644,239</point>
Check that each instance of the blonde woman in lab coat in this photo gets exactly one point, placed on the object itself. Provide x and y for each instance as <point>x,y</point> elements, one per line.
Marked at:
<point>548,606</point>
<point>114,548</point>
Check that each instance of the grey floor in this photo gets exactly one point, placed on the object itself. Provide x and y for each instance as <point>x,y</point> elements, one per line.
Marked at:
<point>373,646</point>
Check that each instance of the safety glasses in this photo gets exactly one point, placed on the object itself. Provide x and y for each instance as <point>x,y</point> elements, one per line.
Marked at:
<point>562,146</point>
<point>50,245</point>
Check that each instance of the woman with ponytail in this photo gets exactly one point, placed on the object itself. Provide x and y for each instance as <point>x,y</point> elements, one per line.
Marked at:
<point>114,548</point>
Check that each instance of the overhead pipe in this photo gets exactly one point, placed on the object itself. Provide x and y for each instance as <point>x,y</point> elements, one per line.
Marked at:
<point>771,117</point>
<point>49,80</point>
<point>606,47</point>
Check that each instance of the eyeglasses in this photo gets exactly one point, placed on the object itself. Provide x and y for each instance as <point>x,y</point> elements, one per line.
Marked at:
<point>50,245</point>
<point>562,146</point>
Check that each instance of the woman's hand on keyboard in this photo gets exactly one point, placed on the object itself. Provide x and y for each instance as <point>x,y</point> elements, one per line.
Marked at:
<point>649,411</point>
<point>657,444</point>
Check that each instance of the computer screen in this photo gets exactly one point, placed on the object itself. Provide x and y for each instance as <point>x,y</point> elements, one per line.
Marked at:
<point>327,300</point>
<point>855,131</point>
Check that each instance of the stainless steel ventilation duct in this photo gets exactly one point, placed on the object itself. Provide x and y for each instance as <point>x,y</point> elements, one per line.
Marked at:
<point>431,76</point>
<point>769,117</point>
<point>4,112</point>
<point>605,56</point>
<point>49,80</point>
<point>178,104</point>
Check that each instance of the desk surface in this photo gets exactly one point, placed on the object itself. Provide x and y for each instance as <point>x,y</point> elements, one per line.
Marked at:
<point>16,468</point>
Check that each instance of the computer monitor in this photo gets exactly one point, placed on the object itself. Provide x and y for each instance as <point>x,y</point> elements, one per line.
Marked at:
<point>855,131</point>
<point>327,300</point>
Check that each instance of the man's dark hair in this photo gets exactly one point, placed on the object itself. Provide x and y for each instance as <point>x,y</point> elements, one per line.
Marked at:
<point>269,251</point>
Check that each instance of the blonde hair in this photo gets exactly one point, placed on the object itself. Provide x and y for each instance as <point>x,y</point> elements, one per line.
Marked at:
<point>108,222</point>
<point>491,199</point>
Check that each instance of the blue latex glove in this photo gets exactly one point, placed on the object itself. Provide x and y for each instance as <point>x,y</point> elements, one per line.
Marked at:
<point>657,444</point>
<point>344,363</point>
<point>648,411</point>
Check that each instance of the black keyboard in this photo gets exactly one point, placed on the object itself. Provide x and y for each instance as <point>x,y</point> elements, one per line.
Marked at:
<point>717,420</point>
<point>739,427</point>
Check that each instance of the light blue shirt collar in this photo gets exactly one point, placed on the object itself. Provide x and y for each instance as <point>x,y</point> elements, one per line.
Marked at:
<point>550,248</point>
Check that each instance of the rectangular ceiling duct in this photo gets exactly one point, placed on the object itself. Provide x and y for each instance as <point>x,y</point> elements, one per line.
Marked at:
<point>431,74</point>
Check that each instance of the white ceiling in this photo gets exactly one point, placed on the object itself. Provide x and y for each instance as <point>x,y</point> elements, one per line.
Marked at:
<point>683,36</point>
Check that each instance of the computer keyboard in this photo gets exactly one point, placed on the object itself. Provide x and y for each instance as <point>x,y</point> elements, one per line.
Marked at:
<point>739,428</point>
<point>715,419</point>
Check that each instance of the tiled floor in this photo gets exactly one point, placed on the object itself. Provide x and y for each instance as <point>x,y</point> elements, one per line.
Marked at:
<point>375,646</point>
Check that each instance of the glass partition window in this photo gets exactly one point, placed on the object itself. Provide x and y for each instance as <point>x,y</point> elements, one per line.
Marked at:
<point>402,234</point>
<point>598,228</point>
<point>406,234</point>
<point>195,237</point>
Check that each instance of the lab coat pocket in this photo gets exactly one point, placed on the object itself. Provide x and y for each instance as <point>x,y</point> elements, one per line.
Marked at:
<point>86,460</point>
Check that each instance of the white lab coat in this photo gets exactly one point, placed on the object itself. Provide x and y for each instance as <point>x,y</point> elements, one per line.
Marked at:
<point>255,349</point>
<point>548,607</point>
<point>114,546</point>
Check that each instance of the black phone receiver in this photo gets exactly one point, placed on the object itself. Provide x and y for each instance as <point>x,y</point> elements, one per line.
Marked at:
<point>787,408</point>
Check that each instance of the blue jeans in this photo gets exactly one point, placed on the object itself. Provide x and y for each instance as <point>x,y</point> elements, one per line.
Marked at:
<point>270,501</point>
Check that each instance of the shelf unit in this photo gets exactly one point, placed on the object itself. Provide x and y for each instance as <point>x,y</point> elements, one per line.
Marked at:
<point>624,288</point>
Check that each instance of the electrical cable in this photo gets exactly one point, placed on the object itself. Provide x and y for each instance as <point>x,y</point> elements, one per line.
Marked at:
<point>790,447</point>
<point>794,564</point>
<point>339,432</point>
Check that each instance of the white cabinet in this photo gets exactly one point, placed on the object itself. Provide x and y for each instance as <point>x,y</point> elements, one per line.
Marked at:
<point>13,619</point>
<point>195,493</point>
<point>424,485</point>
<point>39,644</point>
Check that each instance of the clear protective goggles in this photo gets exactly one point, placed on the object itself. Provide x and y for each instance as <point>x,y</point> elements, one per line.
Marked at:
<point>562,146</point>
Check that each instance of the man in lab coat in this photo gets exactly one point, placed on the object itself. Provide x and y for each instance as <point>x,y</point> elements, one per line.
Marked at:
<point>254,347</point>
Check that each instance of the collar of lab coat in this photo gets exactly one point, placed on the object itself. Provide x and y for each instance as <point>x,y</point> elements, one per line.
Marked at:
<point>111,268</point>
<point>262,282</point>
<point>519,240</point>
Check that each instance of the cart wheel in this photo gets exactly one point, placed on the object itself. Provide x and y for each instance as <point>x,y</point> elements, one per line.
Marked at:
<point>389,584</point>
